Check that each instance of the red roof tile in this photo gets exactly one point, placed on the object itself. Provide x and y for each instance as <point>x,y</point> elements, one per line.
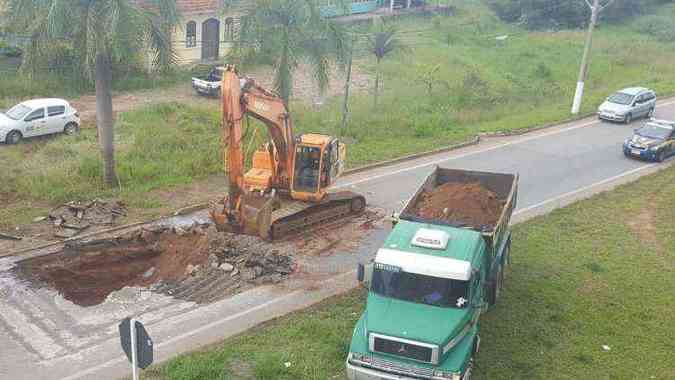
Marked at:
<point>189,6</point>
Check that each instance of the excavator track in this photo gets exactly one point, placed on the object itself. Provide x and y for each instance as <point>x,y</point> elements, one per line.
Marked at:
<point>303,217</point>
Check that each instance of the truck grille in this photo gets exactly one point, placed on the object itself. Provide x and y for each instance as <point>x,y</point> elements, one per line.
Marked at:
<point>405,349</point>
<point>402,369</point>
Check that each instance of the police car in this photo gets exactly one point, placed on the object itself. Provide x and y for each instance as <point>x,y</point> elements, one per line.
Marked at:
<point>655,141</point>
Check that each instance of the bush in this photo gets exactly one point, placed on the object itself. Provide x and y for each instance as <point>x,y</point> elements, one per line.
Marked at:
<point>540,14</point>
<point>658,26</point>
<point>9,51</point>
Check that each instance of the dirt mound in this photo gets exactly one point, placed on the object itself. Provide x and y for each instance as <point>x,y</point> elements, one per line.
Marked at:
<point>87,272</point>
<point>466,203</point>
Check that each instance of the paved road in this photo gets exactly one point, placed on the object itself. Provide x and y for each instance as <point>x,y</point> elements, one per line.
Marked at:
<point>46,337</point>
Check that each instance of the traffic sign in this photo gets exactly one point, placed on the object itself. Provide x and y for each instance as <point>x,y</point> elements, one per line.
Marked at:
<point>136,344</point>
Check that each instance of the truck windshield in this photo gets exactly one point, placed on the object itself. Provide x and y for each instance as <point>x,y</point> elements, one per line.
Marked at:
<point>419,288</point>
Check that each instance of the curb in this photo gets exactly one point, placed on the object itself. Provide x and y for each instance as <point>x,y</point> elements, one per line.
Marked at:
<point>410,157</point>
<point>522,131</point>
<point>201,206</point>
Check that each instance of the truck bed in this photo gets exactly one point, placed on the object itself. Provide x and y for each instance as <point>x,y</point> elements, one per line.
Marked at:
<point>462,198</point>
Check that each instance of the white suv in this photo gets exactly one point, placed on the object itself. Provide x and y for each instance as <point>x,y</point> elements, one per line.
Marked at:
<point>36,118</point>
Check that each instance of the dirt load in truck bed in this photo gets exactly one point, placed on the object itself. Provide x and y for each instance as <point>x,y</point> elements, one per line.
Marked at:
<point>466,203</point>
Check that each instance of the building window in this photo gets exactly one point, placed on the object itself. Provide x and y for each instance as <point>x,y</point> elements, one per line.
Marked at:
<point>229,29</point>
<point>191,34</point>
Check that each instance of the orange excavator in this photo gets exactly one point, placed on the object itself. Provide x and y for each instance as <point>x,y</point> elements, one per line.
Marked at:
<point>285,191</point>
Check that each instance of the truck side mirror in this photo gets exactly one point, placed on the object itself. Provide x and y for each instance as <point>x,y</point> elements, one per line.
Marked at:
<point>395,217</point>
<point>360,272</point>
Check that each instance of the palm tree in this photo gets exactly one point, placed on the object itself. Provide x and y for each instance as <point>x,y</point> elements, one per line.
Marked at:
<point>289,32</point>
<point>102,33</point>
<point>383,40</point>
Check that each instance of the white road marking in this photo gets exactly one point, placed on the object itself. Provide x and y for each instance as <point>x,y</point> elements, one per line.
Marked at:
<point>31,334</point>
<point>188,334</point>
<point>438,161</point>
<point>585,188</point>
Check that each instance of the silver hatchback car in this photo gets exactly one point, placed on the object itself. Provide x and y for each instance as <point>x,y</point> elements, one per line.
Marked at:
<point>628,105</point>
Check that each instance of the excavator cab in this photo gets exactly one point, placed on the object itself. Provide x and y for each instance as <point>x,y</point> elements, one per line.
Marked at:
<point>318,162</point>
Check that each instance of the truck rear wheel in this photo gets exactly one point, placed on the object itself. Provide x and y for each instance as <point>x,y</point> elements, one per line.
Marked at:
<point>496,287</point>
<point>507,258</point>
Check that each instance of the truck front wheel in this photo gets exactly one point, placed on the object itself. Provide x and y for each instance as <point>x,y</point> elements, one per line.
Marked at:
<point>469,370</point>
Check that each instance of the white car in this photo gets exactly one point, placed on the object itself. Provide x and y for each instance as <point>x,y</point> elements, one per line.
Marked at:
<point>38,117</point>
<point>628,104</point>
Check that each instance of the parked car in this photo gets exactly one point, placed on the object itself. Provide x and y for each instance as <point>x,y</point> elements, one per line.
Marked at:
<point>38,117</point>
<point>628,105</point>
<point>210,84</point>
<point>655,141</point>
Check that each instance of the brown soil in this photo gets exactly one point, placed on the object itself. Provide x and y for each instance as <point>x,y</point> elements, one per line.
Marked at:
<point>465,203</point>
<point>88,272</point>
<point>192,263</point>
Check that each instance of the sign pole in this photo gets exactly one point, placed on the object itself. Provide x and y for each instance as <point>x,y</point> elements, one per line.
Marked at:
<point>134,349</point>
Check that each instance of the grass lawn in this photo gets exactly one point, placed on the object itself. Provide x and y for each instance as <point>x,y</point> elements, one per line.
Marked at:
<point>157,148</point>
<point>599,272</point>
<point>481,85</point>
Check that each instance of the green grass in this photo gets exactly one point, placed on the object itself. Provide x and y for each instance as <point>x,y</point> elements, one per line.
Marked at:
<point>157,147</point>
<point>481,86</point>
<point>581,277</point>
<point>485,86</point>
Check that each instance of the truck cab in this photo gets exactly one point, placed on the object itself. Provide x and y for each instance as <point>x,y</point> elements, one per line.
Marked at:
<point>428,285</point>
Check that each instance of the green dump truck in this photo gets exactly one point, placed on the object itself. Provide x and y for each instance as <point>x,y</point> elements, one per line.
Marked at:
<point>441,266</point>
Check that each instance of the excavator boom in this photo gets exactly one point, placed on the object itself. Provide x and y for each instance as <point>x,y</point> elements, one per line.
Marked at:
<point>285,190</point>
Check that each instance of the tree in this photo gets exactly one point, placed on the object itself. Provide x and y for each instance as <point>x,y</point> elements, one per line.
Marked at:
<point>428,75</point>
<point>383,41</point>
<point>102,33</point>
<point>288,32</point>
<point>541,14</point>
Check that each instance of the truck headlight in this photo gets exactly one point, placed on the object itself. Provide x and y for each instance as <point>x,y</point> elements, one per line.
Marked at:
<point>443,375</point>
<point>654,148</point>
<point>359,357</point>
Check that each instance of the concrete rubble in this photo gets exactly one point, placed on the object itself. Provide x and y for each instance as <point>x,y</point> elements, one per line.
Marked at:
<point>71,218</point>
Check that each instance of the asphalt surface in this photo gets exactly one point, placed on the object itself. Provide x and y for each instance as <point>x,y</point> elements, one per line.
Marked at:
<point>46,337</point>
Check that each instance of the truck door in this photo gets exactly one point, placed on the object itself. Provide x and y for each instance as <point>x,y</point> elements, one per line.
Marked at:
<point>35,124</point>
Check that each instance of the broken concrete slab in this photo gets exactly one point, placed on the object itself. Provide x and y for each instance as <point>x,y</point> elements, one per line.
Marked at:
<point>9,237</point>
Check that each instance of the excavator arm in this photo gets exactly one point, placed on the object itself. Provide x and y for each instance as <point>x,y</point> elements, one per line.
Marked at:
<point>243,211</point>
<point>251,199</point>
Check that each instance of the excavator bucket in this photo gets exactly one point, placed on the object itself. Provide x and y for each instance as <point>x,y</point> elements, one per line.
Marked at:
<point>256,217</point>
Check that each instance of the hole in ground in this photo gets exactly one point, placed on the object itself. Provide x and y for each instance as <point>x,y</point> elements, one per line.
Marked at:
<point>86,273</point>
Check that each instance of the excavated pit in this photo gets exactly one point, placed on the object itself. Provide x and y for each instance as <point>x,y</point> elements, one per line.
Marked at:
<point>86,273</point>
<point>466,203</point>
<point>195,264</point>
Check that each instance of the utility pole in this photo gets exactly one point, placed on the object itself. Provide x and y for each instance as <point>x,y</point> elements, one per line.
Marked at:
<point>345,103</point>
<point>596,8</point>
